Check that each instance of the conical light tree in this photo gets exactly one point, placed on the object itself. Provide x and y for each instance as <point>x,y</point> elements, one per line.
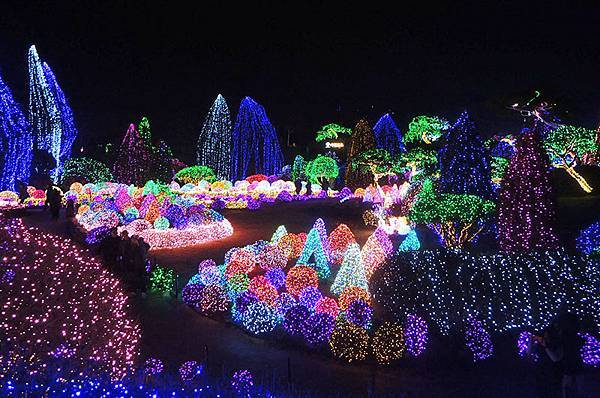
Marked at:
<point>339,240</point>
<point>43,111</point>
<point>67,121</point>
<point>49,113</point>
<point>145,132</point>
<point>16,142</point>
<point>214,142</point>
<point>388,136</point>
<point>464,161</point>
<point>256,147</point>
<point>134,160</point>
<point>352,272</point>
<point>376,251</point>
<point>317,247</point>
<point>526,203</point>
<point>362,140</point>
<point>163,160</point>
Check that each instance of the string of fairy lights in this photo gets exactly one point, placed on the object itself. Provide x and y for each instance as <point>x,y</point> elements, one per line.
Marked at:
<point>47,273</point>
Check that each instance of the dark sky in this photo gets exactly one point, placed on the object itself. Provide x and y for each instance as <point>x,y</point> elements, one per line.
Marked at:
<point>307,64</point>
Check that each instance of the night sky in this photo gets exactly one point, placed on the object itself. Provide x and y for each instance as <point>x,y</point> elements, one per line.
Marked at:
<point>307,64</point>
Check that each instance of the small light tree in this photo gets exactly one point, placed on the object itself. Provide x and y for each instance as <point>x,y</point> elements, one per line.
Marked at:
<point>134,159</point>
<point>163,162</point>
<point>422,162</point>
<point>363,139</point>
<point>322,167</point>
<point>195,174</point>
<point>351,272</point>
<point>298,168</point>
<point>331,131</point>
<point>425,129</point>
<point>455,218</point>
<point>145,133</point>
<point>567,146</point>
<point>378,162</point>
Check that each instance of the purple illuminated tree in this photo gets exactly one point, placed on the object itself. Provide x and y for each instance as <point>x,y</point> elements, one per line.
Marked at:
<point>526,204</point>
<point>134,160</point>
<point>16,141</point>
<point>464,161</point>
<point>256,147</point>
<point>388,136</point>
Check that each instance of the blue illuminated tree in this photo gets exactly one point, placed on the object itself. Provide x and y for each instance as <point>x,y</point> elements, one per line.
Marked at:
<point>464,161</point>
<point>214,142</point>
<point>256,147</point>
<point>51,118</point>
<point>67,122</point>
<point>16,143</point>
<point>43,112</point>
<point>388,136</point>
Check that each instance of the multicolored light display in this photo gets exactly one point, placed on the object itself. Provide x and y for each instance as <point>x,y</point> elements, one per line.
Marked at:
<point>36,320</point>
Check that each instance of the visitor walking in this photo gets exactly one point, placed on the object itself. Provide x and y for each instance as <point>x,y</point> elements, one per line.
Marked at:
<point>70,209</point>
<point>22,189</point>
<point>54,200</point>
<point>298,185</point>
<point>562,345</point>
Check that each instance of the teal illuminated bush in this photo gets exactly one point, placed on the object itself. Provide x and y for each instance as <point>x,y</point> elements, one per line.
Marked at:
<point>85,170</point>
<point>195,174</point>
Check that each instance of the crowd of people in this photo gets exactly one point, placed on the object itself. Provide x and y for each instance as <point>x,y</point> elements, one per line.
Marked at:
<point>127,257</point>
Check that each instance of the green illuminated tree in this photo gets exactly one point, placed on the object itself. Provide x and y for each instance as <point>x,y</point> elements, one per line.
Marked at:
<point>425,129</point>
<point>378,162</point>
<point>322,167</point>
<point>331,131</point>
<point>499,165</point>
<point>144,129</point>
<point>567,146</point>
<point>422,162</point>
<point>456,218</point>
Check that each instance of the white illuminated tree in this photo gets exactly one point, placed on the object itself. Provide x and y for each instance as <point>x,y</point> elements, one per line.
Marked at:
<point>214,142</point>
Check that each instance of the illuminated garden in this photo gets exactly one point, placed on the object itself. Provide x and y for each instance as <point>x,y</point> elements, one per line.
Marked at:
<point>373,258</point>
